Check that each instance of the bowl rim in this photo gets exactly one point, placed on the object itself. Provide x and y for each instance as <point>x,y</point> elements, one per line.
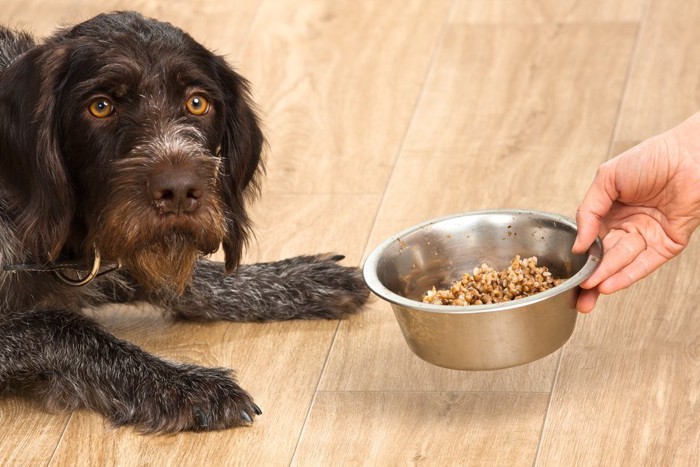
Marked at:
<point>369,269</point>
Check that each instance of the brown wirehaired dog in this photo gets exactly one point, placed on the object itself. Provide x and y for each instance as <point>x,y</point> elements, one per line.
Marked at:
<point>124,140</point>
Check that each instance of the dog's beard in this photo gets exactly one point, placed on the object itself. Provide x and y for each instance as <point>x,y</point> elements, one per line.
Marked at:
<point>164,266</point>
<point>160,253</point>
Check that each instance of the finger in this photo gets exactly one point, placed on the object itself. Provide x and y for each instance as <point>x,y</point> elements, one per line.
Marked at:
<point>586,300</point>
<point>644,264</point>
<point>595,205</point>
<point>621,248</point>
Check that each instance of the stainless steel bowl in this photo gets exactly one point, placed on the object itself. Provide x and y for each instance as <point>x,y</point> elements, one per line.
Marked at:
<point>481,337</point>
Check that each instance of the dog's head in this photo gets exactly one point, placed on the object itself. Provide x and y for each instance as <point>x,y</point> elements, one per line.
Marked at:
<point>125,133</point>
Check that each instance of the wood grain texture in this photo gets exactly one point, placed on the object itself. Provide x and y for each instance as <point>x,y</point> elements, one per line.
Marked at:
<point>28,435</point>
<point>664,88</point>
<point>338,82</point>
<point>547,11</point>
<point>535,119</point>
<point>293,224</point>
<point>428,428</point>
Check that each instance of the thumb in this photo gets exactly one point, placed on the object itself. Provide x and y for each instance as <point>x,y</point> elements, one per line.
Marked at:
<point>595,206</point>
<point>588,225</point>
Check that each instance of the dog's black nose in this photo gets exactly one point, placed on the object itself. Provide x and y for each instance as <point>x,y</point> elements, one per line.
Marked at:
<point>175,190</point>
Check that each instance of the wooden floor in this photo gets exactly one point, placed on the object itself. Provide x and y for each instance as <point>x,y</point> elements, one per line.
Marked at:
<point>382,114</point>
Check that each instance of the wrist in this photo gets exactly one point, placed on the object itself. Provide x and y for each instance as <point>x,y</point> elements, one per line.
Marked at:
<point>687,138</point>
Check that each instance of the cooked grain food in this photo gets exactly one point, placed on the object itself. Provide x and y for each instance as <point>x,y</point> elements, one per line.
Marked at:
<point>486,285</point>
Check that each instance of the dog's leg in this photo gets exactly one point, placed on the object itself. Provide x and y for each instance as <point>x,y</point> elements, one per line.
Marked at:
<point>305,287</point>
<point>73,363</point>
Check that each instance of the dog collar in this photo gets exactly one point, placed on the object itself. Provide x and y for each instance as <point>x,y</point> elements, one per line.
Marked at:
<point>59,267</point>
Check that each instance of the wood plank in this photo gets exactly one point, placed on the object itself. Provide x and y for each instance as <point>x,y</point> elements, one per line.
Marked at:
<point>338,82</point>
<point>663,88</point>
<point>547,11</point>
<point>28,435</point>
<point>294,224</point>
<point>440,428</point>
<point>535,103</point>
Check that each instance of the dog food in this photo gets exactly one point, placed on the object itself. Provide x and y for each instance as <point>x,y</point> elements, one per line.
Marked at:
<point>486,285</point>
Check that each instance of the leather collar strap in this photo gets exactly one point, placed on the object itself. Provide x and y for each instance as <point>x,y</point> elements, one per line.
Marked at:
<point>59,267</point>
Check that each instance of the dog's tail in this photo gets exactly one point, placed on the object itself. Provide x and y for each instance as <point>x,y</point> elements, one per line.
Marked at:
<point>13,44</point>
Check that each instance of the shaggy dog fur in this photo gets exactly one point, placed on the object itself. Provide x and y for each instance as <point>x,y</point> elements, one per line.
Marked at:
<point>124,136</point>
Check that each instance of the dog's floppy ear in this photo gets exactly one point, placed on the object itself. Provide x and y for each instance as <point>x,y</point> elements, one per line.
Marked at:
<point>241,149</point>
<point>31,163</point>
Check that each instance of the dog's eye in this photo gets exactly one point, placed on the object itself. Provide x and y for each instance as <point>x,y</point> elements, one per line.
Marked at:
<point>197,105</point>
<point>101,108</point>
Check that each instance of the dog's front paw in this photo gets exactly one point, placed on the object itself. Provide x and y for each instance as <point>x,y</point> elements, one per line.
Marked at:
<point>326,288</point>
<point>189,398</point>
<point>304,287</point>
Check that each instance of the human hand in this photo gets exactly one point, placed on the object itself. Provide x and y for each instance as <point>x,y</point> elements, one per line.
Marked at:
<point>645,205</point>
